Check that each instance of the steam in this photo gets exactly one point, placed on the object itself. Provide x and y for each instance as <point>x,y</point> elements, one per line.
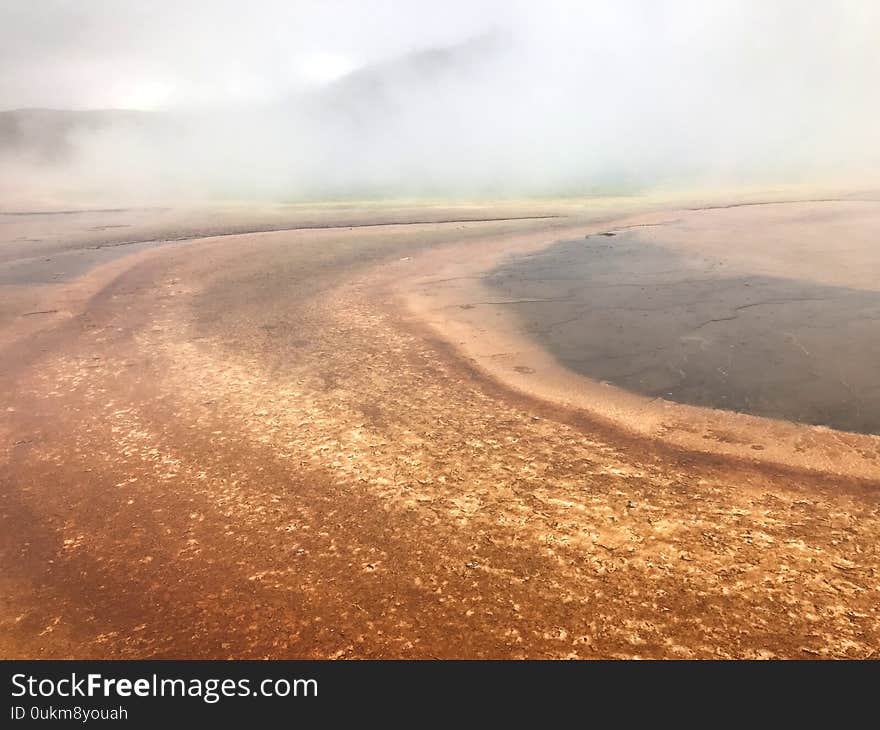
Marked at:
<point>474,99</point>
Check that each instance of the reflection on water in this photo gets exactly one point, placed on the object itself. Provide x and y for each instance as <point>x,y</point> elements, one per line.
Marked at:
<point>678,327</point>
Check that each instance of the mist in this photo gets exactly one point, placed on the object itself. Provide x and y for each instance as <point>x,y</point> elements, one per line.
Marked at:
<point>347,100</point>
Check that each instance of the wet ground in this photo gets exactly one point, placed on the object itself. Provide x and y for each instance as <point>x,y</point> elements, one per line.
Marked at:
<point>243,446</point>
<point>685,327</point>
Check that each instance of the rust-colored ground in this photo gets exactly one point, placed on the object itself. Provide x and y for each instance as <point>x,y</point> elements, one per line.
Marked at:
<point>245,446</point>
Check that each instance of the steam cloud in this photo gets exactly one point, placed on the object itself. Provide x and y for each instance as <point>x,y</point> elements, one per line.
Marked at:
<point>444,99</point>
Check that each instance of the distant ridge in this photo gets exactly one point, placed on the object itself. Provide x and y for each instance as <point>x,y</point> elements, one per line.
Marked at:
<point>45,135</point>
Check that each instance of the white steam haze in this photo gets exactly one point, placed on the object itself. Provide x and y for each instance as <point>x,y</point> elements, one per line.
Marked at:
<point>349,99</point>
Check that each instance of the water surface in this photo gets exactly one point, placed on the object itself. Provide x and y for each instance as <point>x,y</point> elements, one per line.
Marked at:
<point>676,326</point>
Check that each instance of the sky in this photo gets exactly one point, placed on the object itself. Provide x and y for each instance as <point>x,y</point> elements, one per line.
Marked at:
<point>569,97</point>
<point>134,53</point>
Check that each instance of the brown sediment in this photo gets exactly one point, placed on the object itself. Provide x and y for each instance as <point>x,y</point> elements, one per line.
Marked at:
<point>243,447</point>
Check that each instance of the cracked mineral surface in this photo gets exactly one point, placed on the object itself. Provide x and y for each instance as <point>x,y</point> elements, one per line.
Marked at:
<point>698,329</point>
